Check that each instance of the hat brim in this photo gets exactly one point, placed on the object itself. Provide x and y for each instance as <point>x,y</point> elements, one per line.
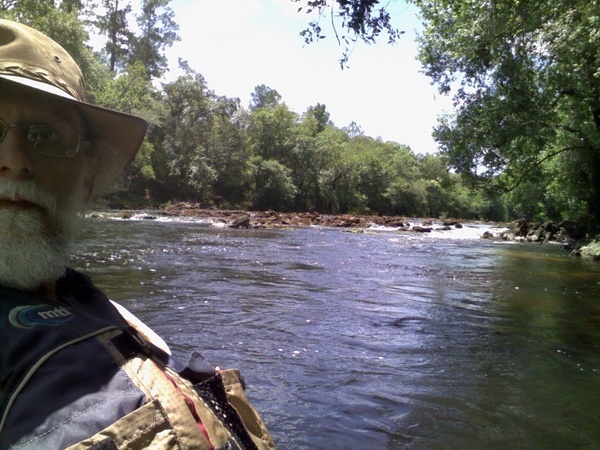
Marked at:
<point>115,137</point>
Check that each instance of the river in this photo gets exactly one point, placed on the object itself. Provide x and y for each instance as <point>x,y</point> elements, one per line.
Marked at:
<point>373,340</point>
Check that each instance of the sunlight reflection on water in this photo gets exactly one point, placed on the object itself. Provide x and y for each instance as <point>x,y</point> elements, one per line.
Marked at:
<point>373,339</point>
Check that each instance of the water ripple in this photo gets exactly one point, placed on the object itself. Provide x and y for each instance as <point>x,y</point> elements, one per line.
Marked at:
<point>373,340</point>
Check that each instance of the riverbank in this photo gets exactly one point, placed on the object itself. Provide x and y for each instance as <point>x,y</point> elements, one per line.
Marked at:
<point>568,234</point>
<point>274,219</point>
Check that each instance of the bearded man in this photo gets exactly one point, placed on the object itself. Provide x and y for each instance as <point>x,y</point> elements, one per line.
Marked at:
<point>78,371</point>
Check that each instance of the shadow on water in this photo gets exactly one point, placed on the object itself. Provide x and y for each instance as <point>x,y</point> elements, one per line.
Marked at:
<point>373,340</point>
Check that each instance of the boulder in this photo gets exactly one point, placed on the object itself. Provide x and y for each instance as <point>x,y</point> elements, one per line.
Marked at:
<point>521,230</point>
<point>394,223</point>
<point>572,229</point>
<point>240,222</point>
<point>516,229</point>
<point>452,223</point>
<point>421,229</point>
<point>536,235</point>
<point>347,222</point>
<point>591,251</point>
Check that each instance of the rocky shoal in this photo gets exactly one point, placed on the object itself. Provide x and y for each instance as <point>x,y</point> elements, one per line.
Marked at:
<point>569,234</point>
<point>274,219</point>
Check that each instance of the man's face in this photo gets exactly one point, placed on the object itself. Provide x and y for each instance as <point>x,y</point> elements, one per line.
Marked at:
<point>40,195</point>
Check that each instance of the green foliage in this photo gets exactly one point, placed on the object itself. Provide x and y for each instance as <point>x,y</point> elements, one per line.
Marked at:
<point>351,20</point>
<point>264,97</point>
<point>270,132</point>
<point>318,116</point>
<point>372,177</point>
<point>271,185</point>
<point>306,163</point>
<point>334,188</point>
<point>229,154</point>
<point>207,148</point>
<point>131,92</point>
<point>158,31</point>
<point>184,124</point>
<point>527,90</point>
<point>114,25</point>
<point>141,168</point>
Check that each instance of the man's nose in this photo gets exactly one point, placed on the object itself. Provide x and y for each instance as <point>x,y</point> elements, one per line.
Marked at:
<point>15,157</point>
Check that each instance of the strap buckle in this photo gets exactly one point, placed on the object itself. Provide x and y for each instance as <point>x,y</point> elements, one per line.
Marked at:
<point>129,342</point>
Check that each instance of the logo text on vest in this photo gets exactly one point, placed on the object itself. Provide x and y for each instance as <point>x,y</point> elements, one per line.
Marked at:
<point>33,315</point>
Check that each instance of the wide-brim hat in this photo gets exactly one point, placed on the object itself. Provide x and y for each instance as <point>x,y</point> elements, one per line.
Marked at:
<point>32,60</point>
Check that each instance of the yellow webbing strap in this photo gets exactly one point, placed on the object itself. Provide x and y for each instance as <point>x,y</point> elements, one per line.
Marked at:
<point>175,417</point>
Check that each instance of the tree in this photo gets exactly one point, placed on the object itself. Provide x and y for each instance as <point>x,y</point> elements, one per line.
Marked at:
<point>158,31</point>
<point>271,132</point>
<point>353,130</point>
<point>133,93</point>
<point>336,190</point>
<point>181,161</point>
<point>527,90</point>
<point>371,159</point>
<point>320,116</point>
<point>272,186</point>
<point>351,20</point>
<point>229,154</point>
<point>406,192</point>
<point>264,97</point>
<point>25,11</point>
<point>72,6</point>
<point>113,24</point>
<point>6,5</point>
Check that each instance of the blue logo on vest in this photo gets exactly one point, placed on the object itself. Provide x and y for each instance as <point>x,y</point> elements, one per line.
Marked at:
<point>31,316</point>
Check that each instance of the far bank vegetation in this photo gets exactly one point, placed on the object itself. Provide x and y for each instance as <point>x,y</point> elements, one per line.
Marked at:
<point>213,151</point>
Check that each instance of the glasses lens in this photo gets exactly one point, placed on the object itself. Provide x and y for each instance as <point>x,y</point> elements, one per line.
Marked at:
<point>52,141</point>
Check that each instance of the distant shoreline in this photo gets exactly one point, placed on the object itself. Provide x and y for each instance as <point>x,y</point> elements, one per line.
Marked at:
<point>565,233</point>
<point>275,219</point>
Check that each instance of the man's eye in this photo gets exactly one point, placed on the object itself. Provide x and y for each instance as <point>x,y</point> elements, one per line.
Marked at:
<point>39,134</point>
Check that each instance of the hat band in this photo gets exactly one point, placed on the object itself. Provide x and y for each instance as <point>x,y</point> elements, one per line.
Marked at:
<point>38,85</point>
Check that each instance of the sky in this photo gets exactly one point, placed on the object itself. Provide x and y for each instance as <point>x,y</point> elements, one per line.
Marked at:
<point>240,44</point>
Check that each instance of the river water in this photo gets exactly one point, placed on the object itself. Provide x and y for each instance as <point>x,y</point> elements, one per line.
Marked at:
<point>373,340</point>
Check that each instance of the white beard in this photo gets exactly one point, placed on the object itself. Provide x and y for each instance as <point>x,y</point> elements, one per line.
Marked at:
<point>35,244</point>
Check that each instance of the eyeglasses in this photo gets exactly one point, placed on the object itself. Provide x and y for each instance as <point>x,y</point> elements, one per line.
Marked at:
<point>47,139</point>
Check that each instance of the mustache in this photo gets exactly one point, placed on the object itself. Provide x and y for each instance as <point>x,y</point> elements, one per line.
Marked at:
<point>26,191</point>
